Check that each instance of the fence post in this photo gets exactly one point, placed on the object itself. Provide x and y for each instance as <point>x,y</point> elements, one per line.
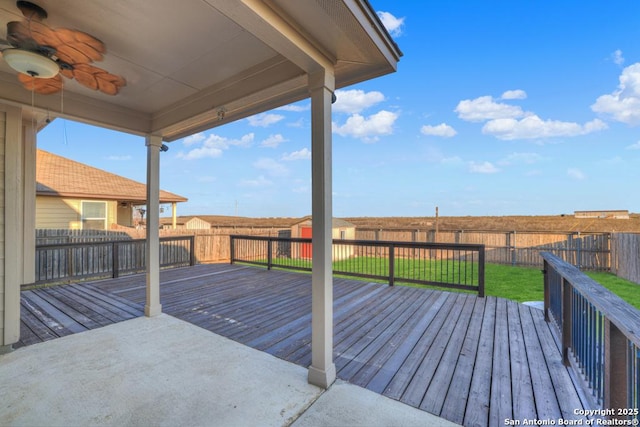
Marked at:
<point>115,259</point>
<point>232,245</point>
<point>392,263</point>
<point>579,251</point>
<point>269,254</point>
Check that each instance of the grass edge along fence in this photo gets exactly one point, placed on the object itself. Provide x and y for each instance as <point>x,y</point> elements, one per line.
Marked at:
<point>107,259</point>
<point>455,266</point>
<point>599,335</point>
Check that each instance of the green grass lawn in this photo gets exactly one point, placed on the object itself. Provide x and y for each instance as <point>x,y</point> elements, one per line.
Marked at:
<point>527,284</point>
<point>517,283</point>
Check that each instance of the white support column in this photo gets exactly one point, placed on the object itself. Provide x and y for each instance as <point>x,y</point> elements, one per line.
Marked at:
<point>174,215</point>
<point>153,307</point>
<point>322,371</point>
<point>12,205</point>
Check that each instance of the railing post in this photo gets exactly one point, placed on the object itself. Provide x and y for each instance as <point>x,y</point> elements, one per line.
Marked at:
<point>269,254</point>
<point>481,272</point>
<point>567,314</point>
<point>547,290</point>
<point>616,355</point>
<point>192,252</point>
<point>232,248</point>
<point>115,259</point>
<point>392,266</point>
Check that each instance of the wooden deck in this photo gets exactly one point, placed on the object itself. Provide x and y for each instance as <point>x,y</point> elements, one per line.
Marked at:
<point>474,361</point>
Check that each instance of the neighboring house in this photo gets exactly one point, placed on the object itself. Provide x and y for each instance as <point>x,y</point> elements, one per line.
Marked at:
<point>185,222</point>
<point>72,195</point>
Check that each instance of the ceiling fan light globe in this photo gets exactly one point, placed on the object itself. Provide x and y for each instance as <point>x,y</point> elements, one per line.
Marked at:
<point>31,63</point>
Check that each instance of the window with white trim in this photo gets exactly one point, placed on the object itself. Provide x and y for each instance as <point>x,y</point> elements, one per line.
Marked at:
<point>94,215</point>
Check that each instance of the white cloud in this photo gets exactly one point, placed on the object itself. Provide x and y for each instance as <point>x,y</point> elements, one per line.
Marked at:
<point>354,100</point>
<point>264,120</point>
<point>391,23</point>
<point>617,57</point>
<point>485,108</point>
<point>271,167</point>
<point>194,139</point>
<point>214,145</point>
<point>443,130</point>
<point>369,128</point>
<point>576,174</point>
<point>484,167</point>
<point>635,146</point>
<point>533,127</point>
<point>304,154</point>
<point>623,105</point>
<point>514,94</point>
<point>260,181</point>
<point>273,141</point>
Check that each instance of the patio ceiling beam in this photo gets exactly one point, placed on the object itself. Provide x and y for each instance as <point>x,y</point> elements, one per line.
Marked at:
<point>268,24</point>
<point>75,107</point>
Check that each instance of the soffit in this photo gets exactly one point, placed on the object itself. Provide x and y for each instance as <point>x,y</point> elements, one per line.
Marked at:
<point>184,61</point>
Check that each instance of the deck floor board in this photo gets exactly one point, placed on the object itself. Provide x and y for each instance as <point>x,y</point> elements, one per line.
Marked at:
<point>474,361</point>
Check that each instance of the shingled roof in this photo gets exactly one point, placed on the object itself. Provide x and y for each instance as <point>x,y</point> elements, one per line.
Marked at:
<point>62,177</point>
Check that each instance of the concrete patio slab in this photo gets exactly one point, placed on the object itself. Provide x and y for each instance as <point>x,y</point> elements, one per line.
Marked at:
<point>345,404</point>
<point>162,371</point>
<point>150,371</point>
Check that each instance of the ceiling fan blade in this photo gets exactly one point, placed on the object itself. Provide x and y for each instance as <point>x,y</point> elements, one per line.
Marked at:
<point>83,42</point>
<point>98,79</point>
<point>41,86</point>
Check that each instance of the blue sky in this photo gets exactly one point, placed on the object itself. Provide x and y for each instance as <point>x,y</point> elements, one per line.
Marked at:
<point>497,108</point>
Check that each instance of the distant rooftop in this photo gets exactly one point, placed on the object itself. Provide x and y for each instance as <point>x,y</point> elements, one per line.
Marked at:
<point>62,177</point>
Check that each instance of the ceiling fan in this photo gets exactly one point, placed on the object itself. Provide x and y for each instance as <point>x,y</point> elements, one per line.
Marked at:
<point>42,54</point>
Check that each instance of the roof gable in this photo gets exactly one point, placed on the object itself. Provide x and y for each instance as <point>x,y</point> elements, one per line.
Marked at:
<point>62,177</point>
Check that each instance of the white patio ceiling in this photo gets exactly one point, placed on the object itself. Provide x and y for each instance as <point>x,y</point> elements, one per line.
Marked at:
<point>186,60</point>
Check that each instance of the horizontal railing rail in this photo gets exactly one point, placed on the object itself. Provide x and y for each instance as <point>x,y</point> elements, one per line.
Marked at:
<point>74,261</point>
<point>599,334</point>
<point>456,266</point>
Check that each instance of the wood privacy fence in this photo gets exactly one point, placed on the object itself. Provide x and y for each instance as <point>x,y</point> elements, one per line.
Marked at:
<point>63,262</point>
<point>599,334</point>
<point>586,251</point>
<point>625,256</point>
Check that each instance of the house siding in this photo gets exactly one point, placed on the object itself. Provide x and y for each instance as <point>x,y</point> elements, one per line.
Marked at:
<point>57,213</point>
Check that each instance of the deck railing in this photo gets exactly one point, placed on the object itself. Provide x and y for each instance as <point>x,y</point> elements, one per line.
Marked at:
<point>599,334</point>
<point>72,261</point>
<point>456,266</point>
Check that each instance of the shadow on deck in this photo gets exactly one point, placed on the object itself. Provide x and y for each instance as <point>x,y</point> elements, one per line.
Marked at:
<point>473,361</point>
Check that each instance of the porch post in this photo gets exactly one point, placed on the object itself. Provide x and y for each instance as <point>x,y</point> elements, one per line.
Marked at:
<point>322,371</point>
<point>153,307</point>
<point>174,215</point>
<point>12,224</point>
